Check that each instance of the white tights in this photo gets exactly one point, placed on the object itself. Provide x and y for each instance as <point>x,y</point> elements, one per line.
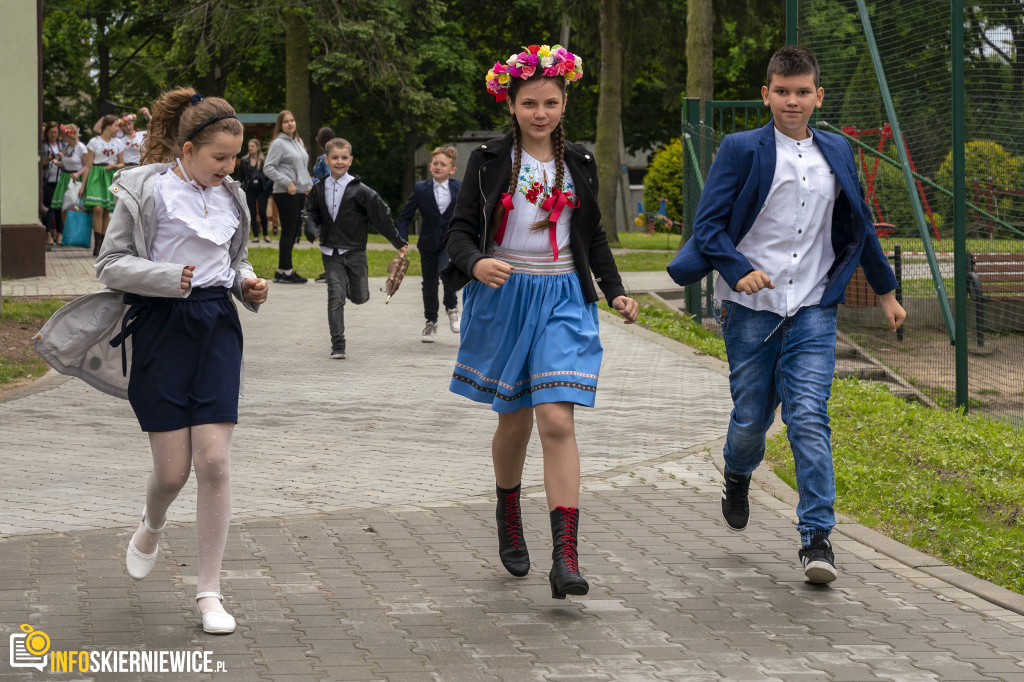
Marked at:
<point>206,447</point>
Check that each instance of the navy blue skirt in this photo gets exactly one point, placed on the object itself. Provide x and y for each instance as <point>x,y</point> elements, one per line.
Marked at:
<point>186,359</point>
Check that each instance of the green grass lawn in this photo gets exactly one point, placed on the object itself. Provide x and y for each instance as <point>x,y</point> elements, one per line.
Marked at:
<point>308,263</point>
<point>945,245</point>
<point>19,363</point>
<point>943,483</point>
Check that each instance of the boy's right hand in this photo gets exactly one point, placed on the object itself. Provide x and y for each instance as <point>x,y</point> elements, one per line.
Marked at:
<point>753,282</point>
<point>186,278</point>
<point>492,272</point>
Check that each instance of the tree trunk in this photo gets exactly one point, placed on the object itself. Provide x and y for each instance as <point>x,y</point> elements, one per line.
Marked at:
<point>296,56</point>
<point>412,143</point>
<point>609,117</point>
<point>103,60</point>
<point>700,76</point>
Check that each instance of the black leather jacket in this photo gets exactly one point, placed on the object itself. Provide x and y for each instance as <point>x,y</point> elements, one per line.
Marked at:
<point>487,177</point>
<point>360,208</point>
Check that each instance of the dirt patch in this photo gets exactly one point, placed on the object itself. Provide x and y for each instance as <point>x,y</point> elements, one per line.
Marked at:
<point>16,349</point>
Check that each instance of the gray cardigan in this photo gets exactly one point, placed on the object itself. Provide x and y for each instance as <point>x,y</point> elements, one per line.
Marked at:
<point>76,340</point>
<point>287,162</point>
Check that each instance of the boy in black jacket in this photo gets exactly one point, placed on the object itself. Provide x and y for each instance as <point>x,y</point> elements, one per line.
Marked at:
<point>339,211</point>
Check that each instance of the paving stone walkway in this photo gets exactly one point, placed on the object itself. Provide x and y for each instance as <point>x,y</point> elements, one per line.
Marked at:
<point>362,544</point>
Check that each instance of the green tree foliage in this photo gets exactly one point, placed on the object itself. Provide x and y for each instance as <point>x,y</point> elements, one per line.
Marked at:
<point>664,179</point>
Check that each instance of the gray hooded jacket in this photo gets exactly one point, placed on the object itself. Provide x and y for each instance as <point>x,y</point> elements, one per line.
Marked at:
<point>76,340</point>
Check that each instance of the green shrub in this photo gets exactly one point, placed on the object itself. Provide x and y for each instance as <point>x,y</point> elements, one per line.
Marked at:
<point>986,162</point>
<point>664,179</point>
<point>891,190</point>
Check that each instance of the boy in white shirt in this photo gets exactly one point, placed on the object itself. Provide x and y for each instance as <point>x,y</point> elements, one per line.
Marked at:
<point>783,221</point>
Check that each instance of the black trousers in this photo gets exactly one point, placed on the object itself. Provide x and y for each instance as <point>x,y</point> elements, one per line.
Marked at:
<point>256,200</point>
<point>289,210</point>
<point>431,262</point>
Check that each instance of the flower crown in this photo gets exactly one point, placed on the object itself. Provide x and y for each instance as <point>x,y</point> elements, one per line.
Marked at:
<point>68,129</point>
<point>128,118</point>
<point>553,60</point>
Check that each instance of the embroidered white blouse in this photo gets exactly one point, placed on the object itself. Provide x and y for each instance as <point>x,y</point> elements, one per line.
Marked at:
<point>194,227</point>
<point>534,185</point>
<point>133,147</point>
<point>104,153</point>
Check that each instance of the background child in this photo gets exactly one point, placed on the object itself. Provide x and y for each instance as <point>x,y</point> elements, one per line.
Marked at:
<point>132,141</point>
<point>71,166</point>
<point>339,211</point>
<point>435,200</point>
<point>105,155</point>
<point>175,250</point>
<point>785,246</point>
<point>527,232</point>
<point>287,165</point>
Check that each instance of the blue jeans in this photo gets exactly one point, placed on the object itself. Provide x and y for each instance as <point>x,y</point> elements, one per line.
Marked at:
<point>790,361</point>
<point>346,279</point>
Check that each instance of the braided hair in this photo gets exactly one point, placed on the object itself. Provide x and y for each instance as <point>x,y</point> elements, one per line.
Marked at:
<point>557,140</point>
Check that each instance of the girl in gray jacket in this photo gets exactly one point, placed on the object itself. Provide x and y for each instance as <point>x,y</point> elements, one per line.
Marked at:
<point>175,250</point>
<point>287,165</point>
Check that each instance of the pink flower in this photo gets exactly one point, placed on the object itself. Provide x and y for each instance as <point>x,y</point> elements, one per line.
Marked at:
<point>562,52</point>
<point>528,71</point>
<point>551,71</point>
<point>560,68</point>
<point>499,68</point>
<point>532,60</point>
<point>515,71</point>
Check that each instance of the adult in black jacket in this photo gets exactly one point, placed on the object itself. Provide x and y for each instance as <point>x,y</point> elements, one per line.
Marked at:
<point>340,210</point>
<point>257,188</point>
<point>530,345</point>
<point>435,200</point>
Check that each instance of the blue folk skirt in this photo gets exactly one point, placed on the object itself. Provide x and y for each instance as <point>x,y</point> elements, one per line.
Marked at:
<point>186,359</point>
<point>533,340</point>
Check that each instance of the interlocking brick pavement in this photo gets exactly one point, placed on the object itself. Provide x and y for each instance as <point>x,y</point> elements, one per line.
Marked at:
<point>363,546</point>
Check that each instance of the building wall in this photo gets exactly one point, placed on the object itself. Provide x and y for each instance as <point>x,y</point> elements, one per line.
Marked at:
<point>19,113</point>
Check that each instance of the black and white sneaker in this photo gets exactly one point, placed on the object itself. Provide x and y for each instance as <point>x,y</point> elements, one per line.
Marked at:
<point>819,561</point>
<point>735,502</point>
<point>291,277</point>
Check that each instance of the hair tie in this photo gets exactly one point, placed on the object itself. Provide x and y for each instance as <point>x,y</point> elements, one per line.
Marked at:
<point>196,98</point>
<point>212,119</point>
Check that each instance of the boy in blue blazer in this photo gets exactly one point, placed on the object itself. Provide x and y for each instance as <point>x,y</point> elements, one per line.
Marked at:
<point>783,221</point>
<point>435,200</point>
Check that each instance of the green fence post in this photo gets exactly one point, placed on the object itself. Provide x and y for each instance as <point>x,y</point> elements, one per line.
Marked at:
<point>791,21</point>
<point>692,181</point>
<point>959,202</point>
<point>915,201</point>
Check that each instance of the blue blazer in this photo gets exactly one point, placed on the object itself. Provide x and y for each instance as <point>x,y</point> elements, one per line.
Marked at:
<point>734,192</point>
<point>434,223</point>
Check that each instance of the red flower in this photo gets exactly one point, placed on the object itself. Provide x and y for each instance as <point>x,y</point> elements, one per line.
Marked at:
<point>533,49</point>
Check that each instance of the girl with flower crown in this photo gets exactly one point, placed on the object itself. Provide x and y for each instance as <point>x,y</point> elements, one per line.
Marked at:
<point>165,334</point>
<point>524,238</point>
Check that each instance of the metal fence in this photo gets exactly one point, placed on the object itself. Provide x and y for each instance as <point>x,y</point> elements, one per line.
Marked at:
<point>888,71</point>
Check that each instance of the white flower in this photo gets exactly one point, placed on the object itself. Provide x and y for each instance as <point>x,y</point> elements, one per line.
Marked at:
<point>547,62</point>
<point>513,59</point>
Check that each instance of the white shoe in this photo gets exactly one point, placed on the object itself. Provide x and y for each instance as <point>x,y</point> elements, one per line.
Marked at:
<point>453,319</point>
<point>215,622</point>
<point>138,564</point>
<point>429,332</point>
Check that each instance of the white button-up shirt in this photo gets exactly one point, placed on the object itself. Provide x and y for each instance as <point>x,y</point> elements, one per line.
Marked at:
<point>334,190</point>
<point>791,238</point>
<point>442,195</point>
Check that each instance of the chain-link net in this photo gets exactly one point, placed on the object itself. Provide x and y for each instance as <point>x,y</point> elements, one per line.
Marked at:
<point>914,50</point>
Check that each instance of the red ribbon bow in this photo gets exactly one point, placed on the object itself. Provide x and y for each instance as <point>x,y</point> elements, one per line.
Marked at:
<point>554,203</point>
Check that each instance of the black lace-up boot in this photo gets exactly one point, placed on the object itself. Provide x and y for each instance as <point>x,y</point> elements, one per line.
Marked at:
<point>565,570</point>
<point>511,544</point>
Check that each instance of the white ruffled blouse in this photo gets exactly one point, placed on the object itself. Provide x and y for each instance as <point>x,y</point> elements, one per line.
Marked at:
<point>194,227</point>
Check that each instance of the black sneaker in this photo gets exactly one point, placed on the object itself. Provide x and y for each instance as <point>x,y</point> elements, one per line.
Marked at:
<point>290,278</point>
<point>321,278</point>
<point>819,561</point>
<point>735,502</point>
